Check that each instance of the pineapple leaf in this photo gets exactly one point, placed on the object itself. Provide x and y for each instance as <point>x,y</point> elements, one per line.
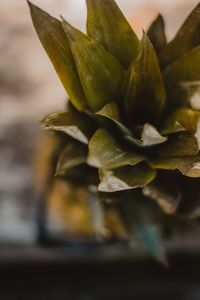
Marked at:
<point>179,144</point>
<point>79,126</point>
<point>73,154</point>
<point>107,25</point>
<point>156,34</point>
<point>145,97</point>
<point>106,153</point>
<point>186,39</point>
<point>56,45</point>
<point>186,117</point>
<point>101,75</point>
<point>184,69</point>
<point>164,190</point>
<point>187,165</point>
<point>125,178</point>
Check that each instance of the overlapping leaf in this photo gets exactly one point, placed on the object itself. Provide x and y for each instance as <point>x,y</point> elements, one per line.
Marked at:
<point>145,97</point>
<point>101,75</point>
<point>187,165</point>
<point>125,178</point>
<point>107,25</point>
<point>156,34</point>
<point>73,155</point>
<point>186,39</point>
<point>79,126</point>
<point>106,153</point>
<point>55,43</point>
<point>186,68</point>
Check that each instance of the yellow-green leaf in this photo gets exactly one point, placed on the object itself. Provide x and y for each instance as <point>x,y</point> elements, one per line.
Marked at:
<point>179,144</point>
<point>187,165</point>
<point>156,34</point>
<point>106,153</point>
<point>186,68</point>
<point>73,154</point>
<point>125,178</point>
<point>186,39</point>
<point>75,124</point>
<point>101,75</point>
<point>145,97</point>
<point>107,25</point>
<point>56,45</point>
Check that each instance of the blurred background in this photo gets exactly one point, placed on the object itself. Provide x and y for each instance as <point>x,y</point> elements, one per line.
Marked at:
<point>30,89</point>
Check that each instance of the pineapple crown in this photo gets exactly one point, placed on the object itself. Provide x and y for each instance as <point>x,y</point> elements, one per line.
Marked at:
<point>133,116</point>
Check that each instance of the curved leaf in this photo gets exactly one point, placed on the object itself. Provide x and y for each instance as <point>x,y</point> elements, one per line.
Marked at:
<point>125,178</point>
<point>187,165</point>
<point>186,117</point>
<point>101,75</point>
<point>186,68</point>
<point>179,144</point>
<point>165,191</point>
<point>156,34</point>
<point>106,153</point>
<point>74,154</point>
<point>145,97</point>
<point>56,45</point>
<point>187,38</point>
<point>77,125</point>
<point>107,25</point>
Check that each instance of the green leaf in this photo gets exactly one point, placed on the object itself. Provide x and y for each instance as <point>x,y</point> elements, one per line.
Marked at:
<point>106,153</point>
<point>179,144</point>
<point>101,75</point>
<point>184,69</point>
<point>75,124</point>
<point>145,97</point>
<point>56,45</point>
<point>142,218</point>
<point>107,25</point>
<point>74,154</point>
<point>156,34</point>
<point>186,117</point>
<point>185,40</point>
<point>125,178</point>
<point>164,190</point>
<point>193,91</point>
<point>187,165</point>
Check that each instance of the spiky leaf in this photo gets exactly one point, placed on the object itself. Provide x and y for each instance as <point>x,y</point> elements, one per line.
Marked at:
<point>106,153</point>
<point>145,97</point>
<point>187,165</point>
<point>56,45</point>
<point>179,144</point>
<point>125,178</point>
<point>107,25</point>
<point>186,39</point>
<point>156,34</point>
<point>101,75</point>
<point>79,126</point>
<point>73,155</point>
<point>186,68</point>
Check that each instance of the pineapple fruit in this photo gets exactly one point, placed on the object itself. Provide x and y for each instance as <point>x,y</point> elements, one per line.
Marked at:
<point>132,125</point>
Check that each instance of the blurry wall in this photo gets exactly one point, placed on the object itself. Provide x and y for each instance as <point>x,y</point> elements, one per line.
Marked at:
<point>29,89</point>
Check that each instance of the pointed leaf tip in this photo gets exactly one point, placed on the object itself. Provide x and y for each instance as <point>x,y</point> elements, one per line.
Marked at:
<point>107,25</point>
<point>56,45</point>
<point>96,67</point>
